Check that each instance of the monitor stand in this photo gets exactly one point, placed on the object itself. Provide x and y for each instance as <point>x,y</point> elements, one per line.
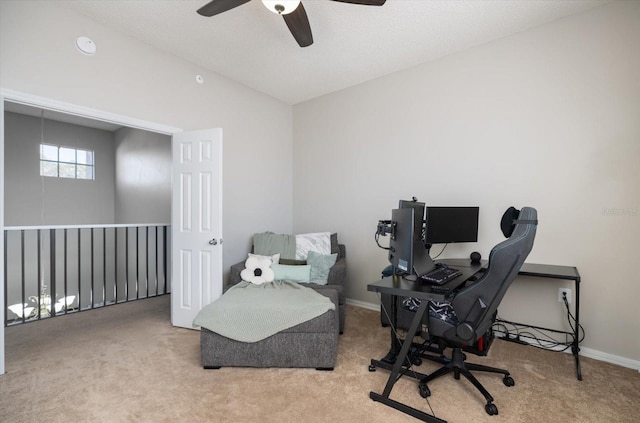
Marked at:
<point>422,263</point>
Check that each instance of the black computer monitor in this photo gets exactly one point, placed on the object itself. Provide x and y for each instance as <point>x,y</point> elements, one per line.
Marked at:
<point>418,217</point>
<point>451,224</point>
<point>401,241</point>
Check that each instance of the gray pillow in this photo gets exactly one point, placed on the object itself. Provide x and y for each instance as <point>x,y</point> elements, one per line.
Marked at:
<point>320,266</point>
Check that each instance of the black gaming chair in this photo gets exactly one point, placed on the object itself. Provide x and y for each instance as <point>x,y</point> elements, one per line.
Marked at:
<point>472,311</point>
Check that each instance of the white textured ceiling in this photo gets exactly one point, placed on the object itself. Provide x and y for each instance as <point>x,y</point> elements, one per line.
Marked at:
<point>352,43</point>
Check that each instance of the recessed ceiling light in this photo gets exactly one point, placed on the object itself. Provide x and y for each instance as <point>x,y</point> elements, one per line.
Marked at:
<point>85,46</point>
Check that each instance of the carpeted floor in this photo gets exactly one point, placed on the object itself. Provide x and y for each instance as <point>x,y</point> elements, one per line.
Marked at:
<point>126,363</point>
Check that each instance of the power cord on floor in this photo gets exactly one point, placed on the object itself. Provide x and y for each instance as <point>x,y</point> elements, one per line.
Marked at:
<point>541,337</point>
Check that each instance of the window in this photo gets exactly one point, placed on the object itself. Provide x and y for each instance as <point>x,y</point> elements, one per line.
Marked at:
<point>65,162</point>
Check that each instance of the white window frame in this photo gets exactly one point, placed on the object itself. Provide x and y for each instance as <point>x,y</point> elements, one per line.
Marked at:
<point>74,163</point>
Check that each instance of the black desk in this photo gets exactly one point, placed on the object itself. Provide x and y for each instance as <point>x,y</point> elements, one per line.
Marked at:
<point>401,287</point>
<point>398,286</point>
<point>549,271</point>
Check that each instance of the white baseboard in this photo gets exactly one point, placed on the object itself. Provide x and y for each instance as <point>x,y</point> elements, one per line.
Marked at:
<point>362,304</point>
<point>584,352</point>
<point>610,358</point>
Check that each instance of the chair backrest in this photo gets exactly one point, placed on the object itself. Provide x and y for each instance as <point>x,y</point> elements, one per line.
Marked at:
<point>476,305</point>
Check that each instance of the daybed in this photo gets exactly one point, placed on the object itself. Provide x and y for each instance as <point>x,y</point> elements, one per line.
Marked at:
<point>310,344</point>
<point>336,280</point>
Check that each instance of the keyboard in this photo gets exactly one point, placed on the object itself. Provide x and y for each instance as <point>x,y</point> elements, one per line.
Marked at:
<point>440,275</point>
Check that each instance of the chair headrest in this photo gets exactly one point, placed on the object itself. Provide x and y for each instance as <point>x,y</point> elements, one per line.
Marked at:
<point>510,219</point>
<point>507,223</point>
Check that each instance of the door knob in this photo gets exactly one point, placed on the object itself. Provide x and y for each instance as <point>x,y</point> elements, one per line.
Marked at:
<point>214,242</point>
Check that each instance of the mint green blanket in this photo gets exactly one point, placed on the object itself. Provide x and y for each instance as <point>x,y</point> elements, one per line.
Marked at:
<point>251,313</point>
<point>268,243</point>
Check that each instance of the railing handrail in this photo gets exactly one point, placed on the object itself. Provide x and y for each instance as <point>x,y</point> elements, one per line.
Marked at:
<point>120,225</point>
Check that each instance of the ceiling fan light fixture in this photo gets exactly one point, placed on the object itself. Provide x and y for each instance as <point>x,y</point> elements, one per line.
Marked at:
<point>281,7</point>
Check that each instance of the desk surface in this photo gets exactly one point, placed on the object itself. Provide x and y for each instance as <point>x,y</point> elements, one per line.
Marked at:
<point>550,271</point>
<point>400,286</point>
<point>528,269</point>
<point>418,289</point>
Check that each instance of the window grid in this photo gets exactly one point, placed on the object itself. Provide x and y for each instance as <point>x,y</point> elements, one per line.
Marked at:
<point>66,162</point>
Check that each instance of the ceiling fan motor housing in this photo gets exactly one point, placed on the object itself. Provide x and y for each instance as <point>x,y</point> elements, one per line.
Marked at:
<point>281,7</point>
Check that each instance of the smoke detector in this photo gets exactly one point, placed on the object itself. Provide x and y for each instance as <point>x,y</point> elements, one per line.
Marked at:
<point>86,46</point>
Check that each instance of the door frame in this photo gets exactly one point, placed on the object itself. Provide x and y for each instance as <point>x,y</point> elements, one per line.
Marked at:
<point>67,108</point>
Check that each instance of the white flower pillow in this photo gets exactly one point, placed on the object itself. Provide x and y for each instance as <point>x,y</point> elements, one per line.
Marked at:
<point>257,271</point>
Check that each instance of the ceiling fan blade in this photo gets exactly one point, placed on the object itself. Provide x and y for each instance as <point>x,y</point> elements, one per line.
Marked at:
<point>298,24</point>
<point>364,2</point>
<point>215,7</point>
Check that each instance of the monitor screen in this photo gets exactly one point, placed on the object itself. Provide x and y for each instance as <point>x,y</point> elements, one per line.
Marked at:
<point>401,241</point>
<point>451,224</point>
<point>418,217</point>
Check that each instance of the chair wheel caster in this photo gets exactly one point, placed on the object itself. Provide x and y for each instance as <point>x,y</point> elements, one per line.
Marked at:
<point>424,390</point>
<point>508,381</point>
<point>372,368</point>
<point>491,409</point>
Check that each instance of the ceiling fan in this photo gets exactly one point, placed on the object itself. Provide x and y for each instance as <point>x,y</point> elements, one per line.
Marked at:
<point>291,10</point>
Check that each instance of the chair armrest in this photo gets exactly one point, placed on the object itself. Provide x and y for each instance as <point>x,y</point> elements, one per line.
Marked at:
<point>338,273</point>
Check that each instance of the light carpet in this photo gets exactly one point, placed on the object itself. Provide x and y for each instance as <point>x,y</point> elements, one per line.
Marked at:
<point>126,363</point>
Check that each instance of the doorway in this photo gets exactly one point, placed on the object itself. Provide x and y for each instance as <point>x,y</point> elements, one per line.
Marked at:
<point>72,112</point>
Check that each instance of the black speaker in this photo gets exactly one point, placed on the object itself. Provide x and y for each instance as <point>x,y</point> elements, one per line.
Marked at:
<point>475,257</point>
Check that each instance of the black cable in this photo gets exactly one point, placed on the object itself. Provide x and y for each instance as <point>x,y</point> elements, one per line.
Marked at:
<point>441,251</point>
<point>518,328</point>
<point>545,341</point>
<point>550,344</point>
<point>569,317</point>
<point>376,237</point>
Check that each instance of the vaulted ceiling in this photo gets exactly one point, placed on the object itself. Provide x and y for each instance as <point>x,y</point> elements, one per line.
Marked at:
<point>352,43</point>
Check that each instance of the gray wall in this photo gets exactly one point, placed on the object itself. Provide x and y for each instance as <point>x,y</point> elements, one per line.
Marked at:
<point>31,199</point>
<point>142,177</point>
<point>129,78</point>
<point>547,118</point>
<point>556,106</point>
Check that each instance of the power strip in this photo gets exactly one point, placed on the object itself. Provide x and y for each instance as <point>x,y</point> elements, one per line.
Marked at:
<point>526,340</point>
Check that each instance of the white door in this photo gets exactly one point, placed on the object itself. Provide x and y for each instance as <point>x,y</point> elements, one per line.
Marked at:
<point>196,220</point>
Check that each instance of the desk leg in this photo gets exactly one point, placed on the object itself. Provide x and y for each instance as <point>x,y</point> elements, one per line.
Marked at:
<point>390,358</point>
<point>395,372</point>
<point>576,335</point>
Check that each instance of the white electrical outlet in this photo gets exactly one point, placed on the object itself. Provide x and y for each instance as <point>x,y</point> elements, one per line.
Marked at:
<point>566,291</point>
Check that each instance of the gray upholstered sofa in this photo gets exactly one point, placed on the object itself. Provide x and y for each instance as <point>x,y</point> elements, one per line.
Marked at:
<point>310,344</point>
